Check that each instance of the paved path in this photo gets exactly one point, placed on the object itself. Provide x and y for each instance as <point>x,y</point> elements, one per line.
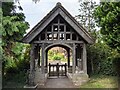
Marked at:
<point>61,82</point>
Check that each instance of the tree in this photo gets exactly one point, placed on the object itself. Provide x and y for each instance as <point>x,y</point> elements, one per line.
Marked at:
<point>14,27</point>
<point>107,16</point>
<point>86,18</point>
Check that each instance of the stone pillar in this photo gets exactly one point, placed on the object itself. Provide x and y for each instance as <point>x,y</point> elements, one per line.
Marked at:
<point>32,65</point>
<point>84,59</point>
<point>42,75</point>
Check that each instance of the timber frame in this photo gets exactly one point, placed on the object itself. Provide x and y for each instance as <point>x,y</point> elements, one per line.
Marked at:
<point>58,28</point>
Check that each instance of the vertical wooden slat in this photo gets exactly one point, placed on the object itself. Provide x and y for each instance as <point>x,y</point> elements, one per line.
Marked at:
<point>52,32</point>
<point>58,29</point>
<point>64,32</point>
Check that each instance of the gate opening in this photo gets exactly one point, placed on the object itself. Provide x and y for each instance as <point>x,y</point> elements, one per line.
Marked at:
<point>59,61</point>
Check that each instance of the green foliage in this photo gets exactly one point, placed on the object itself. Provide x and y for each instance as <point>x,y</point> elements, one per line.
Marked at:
<point>107,16</point>
<point>116,62</point>
<point>8,8</point>
<point>57,57</point>
<point>20,60</point>
<point>101,58</point>
<point>14,26</point>
<point>50,54</point>
<point>13,29</point>
<point>86,17</point>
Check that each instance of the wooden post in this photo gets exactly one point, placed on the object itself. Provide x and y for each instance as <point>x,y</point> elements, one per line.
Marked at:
<point>39,56</point>
<point>43,57</point>
<point>68,51</point>
<point>84,58</point>
<point>49,69</point>
<point>74,59</point>
<point>57,69</point>
<point>32,65</point>
<point>46,59</point>
<point>65,69</point>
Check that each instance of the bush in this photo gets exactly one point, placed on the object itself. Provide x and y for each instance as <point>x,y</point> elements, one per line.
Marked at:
<point>116,63</point>
<point>18,61</point>
<point>100,59</point>
<point>57,57</point>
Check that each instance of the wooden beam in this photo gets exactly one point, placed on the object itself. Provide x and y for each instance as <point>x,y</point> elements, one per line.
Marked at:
<point>77,27</point>
<point>58,41</point>
<point>41,27</point>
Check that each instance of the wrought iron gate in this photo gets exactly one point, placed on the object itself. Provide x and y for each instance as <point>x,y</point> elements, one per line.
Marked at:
<point>57,69</point>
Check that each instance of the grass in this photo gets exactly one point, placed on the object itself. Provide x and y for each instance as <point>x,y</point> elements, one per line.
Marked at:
<point>96,81</point>
<point>101,81</point>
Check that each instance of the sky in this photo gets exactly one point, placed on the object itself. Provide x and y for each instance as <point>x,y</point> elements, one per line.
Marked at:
<point>34,12</point>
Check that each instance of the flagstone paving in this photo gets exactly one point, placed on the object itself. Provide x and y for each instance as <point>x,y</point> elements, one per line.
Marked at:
<point>61,82</point>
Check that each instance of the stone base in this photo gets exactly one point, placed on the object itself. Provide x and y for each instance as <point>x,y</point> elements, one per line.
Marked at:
<point>32,87</point>
<point>40,78</point>
<point>78,78</point>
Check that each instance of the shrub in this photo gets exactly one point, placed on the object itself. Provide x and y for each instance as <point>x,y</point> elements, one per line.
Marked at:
<point>100,59</point>
<point>57,57</point>
<point>116,63</point>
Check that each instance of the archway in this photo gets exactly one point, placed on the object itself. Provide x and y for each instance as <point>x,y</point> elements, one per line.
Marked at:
<point>65,56</point>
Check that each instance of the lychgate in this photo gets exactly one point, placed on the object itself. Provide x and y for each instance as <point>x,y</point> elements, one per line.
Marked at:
<point>58,28</point>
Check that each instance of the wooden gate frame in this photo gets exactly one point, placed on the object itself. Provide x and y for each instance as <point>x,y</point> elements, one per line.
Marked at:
<point>64,73</point>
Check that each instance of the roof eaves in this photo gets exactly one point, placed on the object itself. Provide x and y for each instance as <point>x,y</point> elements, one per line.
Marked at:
<point>39,23</point>
<point>77,23</point>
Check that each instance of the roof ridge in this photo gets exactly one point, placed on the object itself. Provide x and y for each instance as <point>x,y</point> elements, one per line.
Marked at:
<point>58,4</point>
